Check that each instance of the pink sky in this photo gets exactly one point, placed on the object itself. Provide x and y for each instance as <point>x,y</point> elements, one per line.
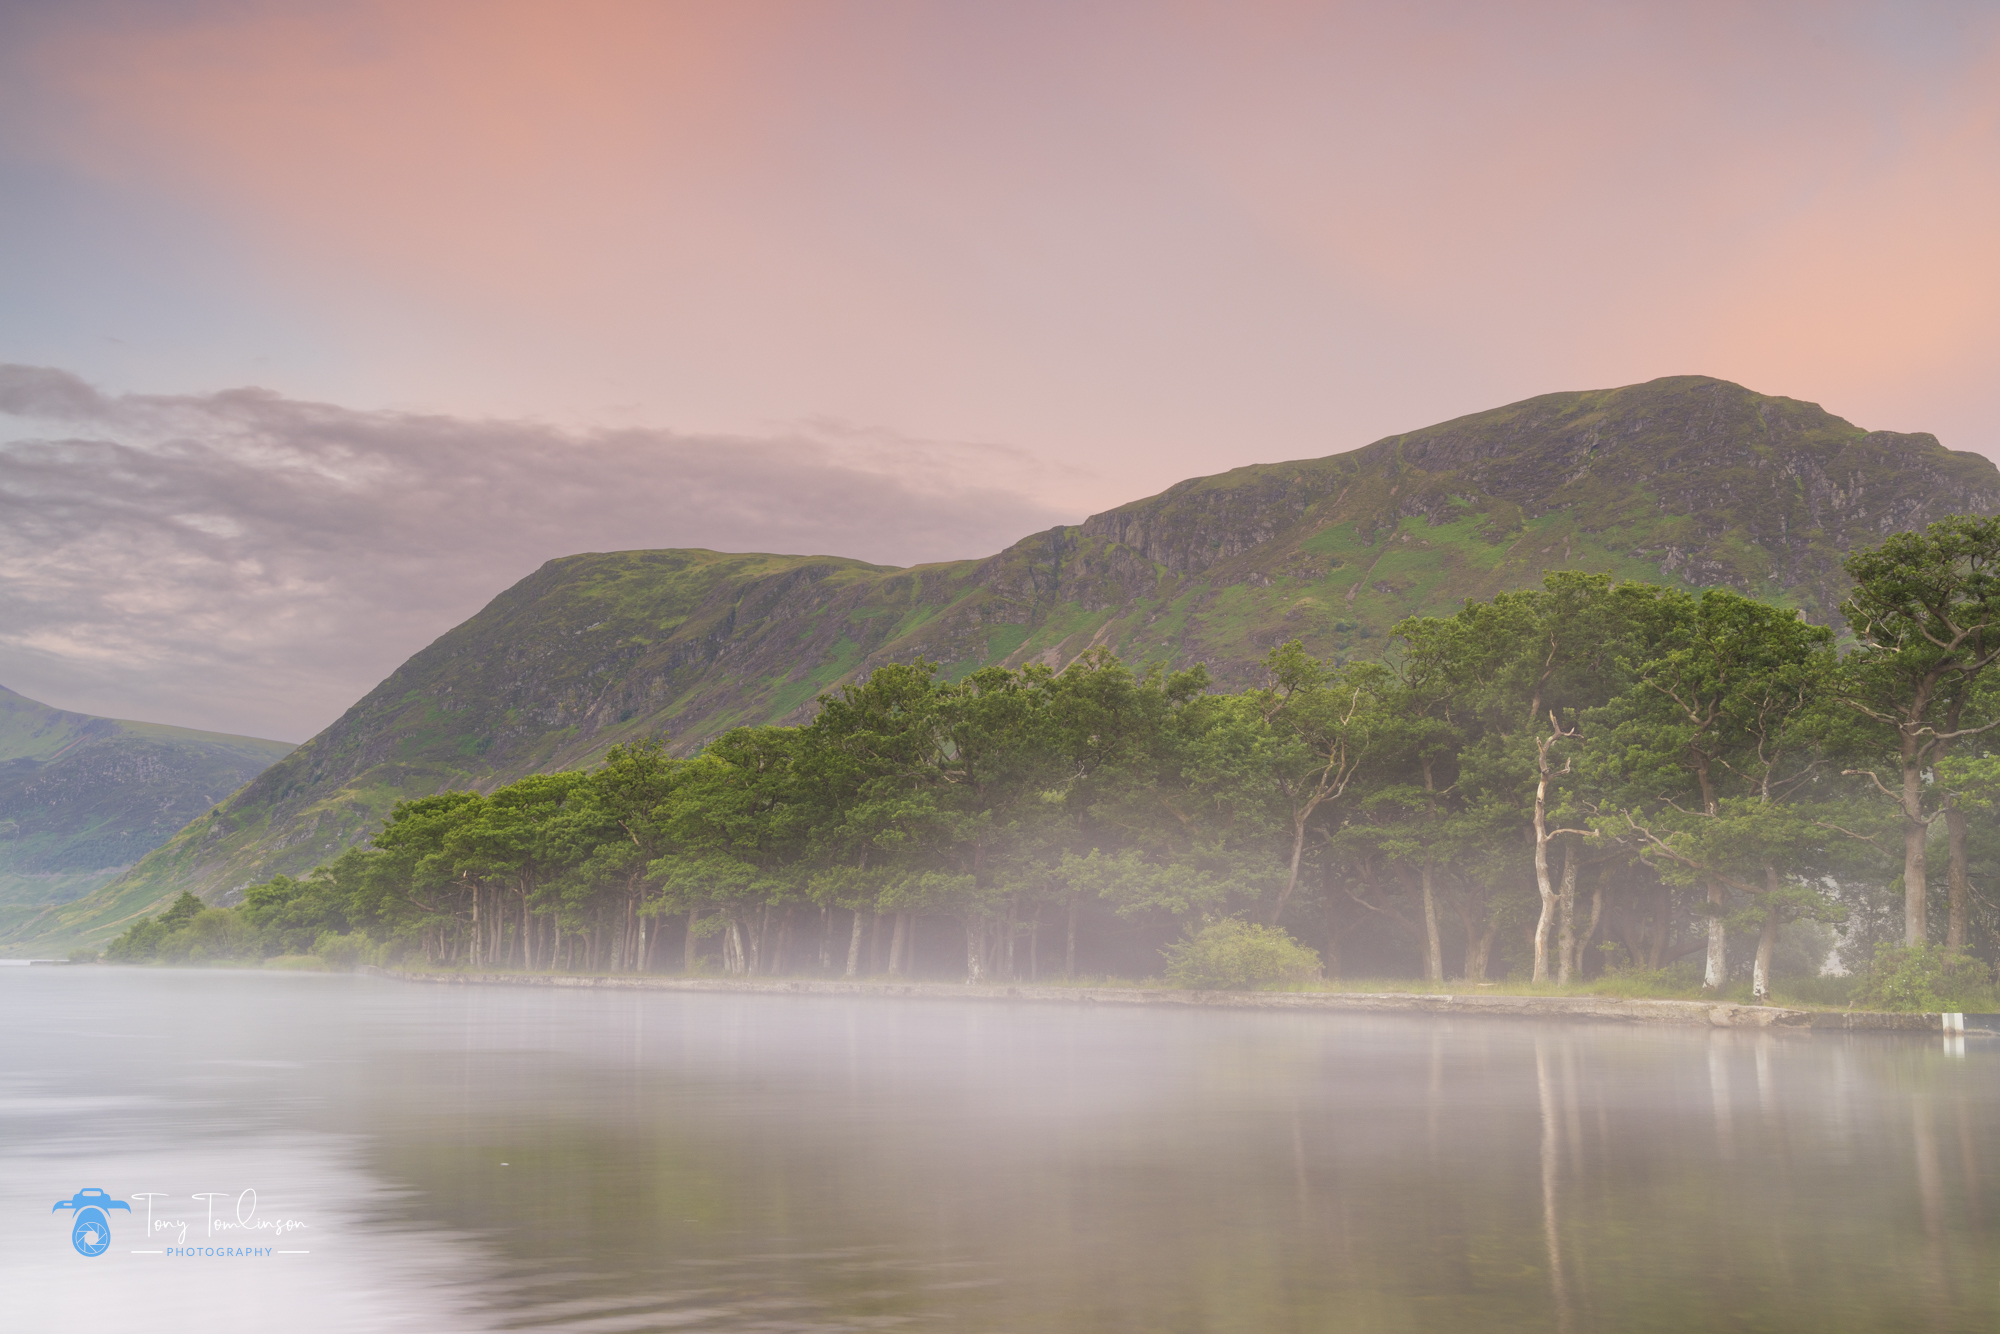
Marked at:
<point>1130,242</point>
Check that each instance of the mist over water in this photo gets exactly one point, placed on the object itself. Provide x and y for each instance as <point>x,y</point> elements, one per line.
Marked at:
<point>716,1162</point>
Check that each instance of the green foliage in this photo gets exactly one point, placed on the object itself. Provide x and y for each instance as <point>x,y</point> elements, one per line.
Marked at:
<point>1925,611</point>
<point>345,951</point>
<point>1925,978</point>
<point>189,933</point>
<point>184,910</point>
<point>139,944</point>
<point>1233,955</point>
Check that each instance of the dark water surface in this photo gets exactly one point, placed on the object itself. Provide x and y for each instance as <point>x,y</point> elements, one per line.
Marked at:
<point>693,1162</point>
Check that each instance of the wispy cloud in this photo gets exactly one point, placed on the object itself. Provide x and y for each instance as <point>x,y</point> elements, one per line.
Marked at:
<point>250,563</point>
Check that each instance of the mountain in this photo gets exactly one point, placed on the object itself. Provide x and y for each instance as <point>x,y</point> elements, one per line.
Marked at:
<point>83,798</point>
<point>1689,481</point>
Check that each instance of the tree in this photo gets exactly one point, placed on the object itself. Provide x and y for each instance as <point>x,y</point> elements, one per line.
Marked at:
<point>611,832</point>
<point>416,885</point>
<point>512,842</point>
<point>1523,669</point>
<point>1322,721</point>
<point>738,837</point>
<point>1707,746</point>
<point>868,772</point>
<point>1926,614</point>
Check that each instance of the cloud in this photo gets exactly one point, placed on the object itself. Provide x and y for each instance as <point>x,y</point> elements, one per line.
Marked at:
<point>246,562</point>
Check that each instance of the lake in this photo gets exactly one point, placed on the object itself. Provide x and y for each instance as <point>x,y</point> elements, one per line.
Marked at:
<point>485,1158</point>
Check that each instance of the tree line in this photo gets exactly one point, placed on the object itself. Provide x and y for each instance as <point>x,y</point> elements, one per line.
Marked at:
<point>1591,774</point>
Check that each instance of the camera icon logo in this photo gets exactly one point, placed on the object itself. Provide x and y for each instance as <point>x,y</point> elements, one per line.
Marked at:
<point>91,1231</point>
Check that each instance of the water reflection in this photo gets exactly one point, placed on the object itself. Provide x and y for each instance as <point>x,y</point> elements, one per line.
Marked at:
<point>1551,1160</point>
<point>703,1162</point>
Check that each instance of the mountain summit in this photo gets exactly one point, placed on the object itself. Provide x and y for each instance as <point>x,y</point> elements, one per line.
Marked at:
<point>1688,480</point>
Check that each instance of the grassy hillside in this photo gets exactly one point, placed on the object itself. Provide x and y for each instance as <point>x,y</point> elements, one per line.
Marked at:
<point>1689,481</point>
<point>83,798</point>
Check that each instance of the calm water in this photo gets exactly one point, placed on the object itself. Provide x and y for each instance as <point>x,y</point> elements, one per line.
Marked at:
<point>499,1158</point>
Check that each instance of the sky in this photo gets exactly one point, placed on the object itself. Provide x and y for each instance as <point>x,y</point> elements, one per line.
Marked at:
<point>320,324</point>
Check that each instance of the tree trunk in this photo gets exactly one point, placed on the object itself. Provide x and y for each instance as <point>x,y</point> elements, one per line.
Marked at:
<point>1547,918</point>
<point>1960,884</point>
<point>825,939</point>
<point>1292,879</point>
<point>854,947</point>
<point>1566,906</point>
<point>1035,946</point>
<point>1069,949</point>
<point>896,942</point>
<point>1542,885</point>
<point>1717,970</point>
<point>875,945</point>
<point>1433,948</point>
<point>1760,976</point>
<point>1916,925</point>
<point>1596,916</point>
<point>784,944</point>
<point>975,949</point>
<point>1663,929</point>
<point>1008,954</point>
<point>1479,953</point>
<point>691,948</point>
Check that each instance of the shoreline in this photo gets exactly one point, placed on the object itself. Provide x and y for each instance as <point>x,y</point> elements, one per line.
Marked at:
<point>1579,1009</point>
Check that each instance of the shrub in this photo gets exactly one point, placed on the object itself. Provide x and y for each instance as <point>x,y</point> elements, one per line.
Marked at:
<point>1239,956</point>
<point>140,942</point>
<point>212,935</point>
<point>344,951</point>
<point>1924,977</point>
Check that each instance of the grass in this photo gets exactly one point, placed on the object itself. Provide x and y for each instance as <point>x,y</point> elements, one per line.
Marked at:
<point>1816,993</point>
<point>1797,993</point>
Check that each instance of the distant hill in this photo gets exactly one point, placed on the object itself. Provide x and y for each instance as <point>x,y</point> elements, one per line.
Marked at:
<point>1689,481</point>
<point>83,798</point>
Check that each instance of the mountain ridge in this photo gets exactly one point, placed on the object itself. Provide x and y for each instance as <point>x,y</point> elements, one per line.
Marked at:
<point>1685,480</point>
<point>82,798</point>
